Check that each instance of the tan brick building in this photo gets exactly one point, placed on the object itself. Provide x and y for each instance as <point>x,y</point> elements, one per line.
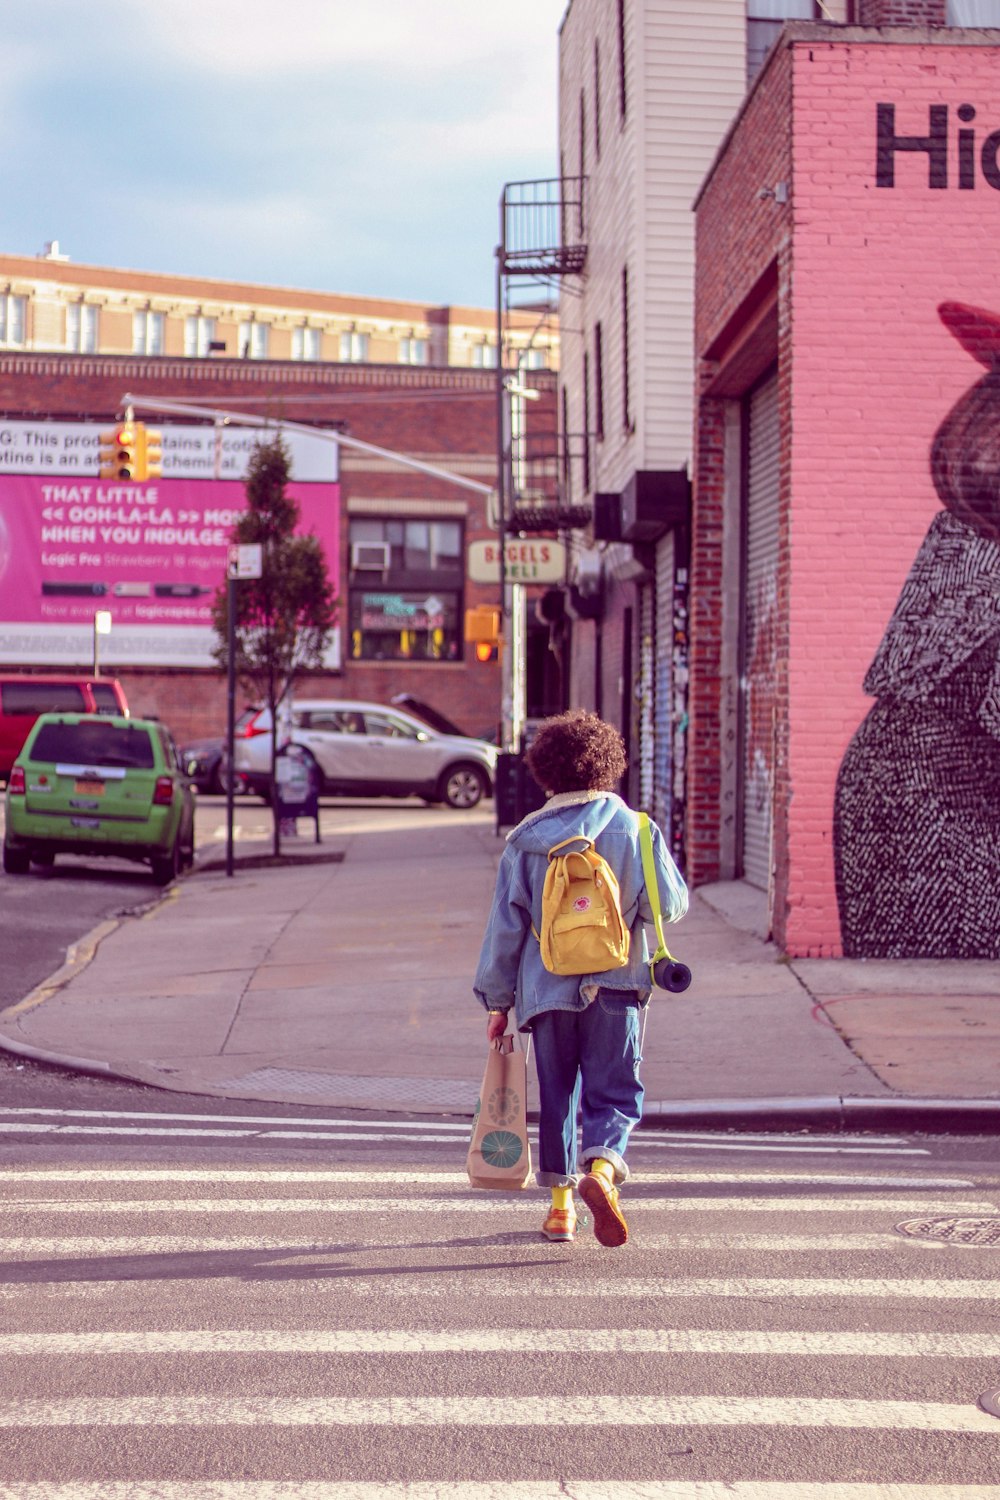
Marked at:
<point>49,304</point>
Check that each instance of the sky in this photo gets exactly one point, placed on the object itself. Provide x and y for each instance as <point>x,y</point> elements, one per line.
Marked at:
<point>355,146</point>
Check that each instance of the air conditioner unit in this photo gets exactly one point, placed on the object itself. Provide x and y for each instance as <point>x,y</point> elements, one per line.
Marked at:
<point>370,557</point>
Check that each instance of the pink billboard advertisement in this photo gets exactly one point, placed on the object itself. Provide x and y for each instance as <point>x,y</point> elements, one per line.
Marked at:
<point>152,555</point>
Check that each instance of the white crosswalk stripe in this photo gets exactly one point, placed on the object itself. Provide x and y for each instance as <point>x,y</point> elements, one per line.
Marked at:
<point>169,1125</point>
<point>345,1308</point>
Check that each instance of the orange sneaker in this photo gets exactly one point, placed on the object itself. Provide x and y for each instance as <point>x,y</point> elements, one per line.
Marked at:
<point>601,1198</point>
<point>560,1224</point>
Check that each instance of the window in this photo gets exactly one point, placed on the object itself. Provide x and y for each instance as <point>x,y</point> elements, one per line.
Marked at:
<point>765,19</point>
<point>484,356</point>
<point>305,343</point>
<point>626,398</point>
<point>13,317</point>
<point>973,13</point>
<point>583,160</point>
<point>621,61</point>
<point>411,610</point>
<point>413,351</point>
<point>254,340</point>
<point>199,333</point>
<point>147,333</point>
<point>586,423</point>
<point>597,98</point>
<point>354,348</point>
<point>81,328</point>
<point>598,382</point>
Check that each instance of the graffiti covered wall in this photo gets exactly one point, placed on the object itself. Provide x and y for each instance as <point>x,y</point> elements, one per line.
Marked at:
<point>894,670</point>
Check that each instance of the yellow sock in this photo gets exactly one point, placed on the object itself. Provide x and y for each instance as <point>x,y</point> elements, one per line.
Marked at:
<point>603,1169</point>
<point>562,1197</point>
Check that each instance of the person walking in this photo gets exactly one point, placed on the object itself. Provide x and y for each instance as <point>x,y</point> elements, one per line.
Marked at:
<point>585,1027</point>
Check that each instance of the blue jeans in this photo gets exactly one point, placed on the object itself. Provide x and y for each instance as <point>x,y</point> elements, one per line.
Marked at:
<point>587,1061</point>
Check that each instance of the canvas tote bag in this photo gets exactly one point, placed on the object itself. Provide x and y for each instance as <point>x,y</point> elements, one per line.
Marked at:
<point>499,1153</point>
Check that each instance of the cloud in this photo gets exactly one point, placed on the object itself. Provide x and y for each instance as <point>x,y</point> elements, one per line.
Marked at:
<point>358,147</point>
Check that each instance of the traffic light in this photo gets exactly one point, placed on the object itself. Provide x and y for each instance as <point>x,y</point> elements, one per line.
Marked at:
<point>151,458</point>
<point>482,628</point>
<point>131,451</point>
<point>119,453</point>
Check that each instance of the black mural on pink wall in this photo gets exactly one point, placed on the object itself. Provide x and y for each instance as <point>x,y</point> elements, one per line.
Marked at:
<point>916,829</point>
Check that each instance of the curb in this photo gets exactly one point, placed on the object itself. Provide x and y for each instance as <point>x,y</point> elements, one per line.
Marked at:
<point>830,1115</point>
<point>821,1116</point>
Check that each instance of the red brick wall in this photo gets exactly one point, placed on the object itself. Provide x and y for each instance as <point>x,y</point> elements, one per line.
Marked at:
<point>740,225</point>
<point>428,413</point>
<point>901,12</point>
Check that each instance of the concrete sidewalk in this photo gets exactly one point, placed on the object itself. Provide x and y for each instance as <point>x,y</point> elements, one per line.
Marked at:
<point>343,978</point>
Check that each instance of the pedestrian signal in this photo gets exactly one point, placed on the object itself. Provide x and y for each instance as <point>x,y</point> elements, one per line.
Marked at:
<point>482,628</point>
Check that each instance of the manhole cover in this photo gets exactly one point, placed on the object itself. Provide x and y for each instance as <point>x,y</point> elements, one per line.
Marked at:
<point>954,1231</point>
<point>990,1402</point>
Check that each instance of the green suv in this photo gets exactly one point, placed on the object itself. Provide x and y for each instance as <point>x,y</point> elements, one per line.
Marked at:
<point>99,785</point>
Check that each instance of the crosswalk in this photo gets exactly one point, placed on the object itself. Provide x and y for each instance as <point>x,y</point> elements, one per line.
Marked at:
<point>242,1331</point>
<point>263,1129</point>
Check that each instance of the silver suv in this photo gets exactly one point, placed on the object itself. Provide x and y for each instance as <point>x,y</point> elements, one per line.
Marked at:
<point>369,750</point>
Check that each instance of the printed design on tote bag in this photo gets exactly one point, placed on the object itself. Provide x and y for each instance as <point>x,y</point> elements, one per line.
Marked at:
<point>503,1105</point>
<point>501,1148</point>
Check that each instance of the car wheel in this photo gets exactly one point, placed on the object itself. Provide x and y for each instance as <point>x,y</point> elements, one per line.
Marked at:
<point>462,787</point>
<point>167,867</point>
<point>15,861</point>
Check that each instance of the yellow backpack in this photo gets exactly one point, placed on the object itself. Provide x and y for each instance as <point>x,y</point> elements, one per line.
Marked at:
<point>583,931</point>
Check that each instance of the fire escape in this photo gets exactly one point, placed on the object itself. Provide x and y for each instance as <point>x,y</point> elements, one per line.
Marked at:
<point>541,245</point>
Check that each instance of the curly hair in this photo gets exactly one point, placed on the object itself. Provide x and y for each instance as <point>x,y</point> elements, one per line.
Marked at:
<point>577,752</point>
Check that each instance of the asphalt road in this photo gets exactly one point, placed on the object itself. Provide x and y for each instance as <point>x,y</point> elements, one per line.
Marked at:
<point>178,1305</point>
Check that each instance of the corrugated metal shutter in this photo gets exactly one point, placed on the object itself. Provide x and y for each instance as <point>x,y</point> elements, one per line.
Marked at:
<point>644,696</point>
<point>663,683</point>
<point>760,595</point>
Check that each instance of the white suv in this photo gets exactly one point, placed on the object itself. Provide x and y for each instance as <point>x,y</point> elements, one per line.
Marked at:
<point>369,750</point>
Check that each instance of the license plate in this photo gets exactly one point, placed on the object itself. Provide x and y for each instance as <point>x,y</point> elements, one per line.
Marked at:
<point>85,822</point>
<point>90,788</point>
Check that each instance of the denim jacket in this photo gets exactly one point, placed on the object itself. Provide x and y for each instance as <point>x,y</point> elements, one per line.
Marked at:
<point>510,970</point>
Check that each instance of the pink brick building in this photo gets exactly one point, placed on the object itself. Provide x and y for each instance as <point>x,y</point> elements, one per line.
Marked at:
<point>848,764</point>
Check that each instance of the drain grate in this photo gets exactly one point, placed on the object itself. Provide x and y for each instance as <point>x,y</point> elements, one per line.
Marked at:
<point>953,1231</point>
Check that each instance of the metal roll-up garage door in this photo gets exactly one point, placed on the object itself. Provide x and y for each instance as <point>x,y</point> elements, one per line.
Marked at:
<point>663,683</point>
<point>760,603</point>
<point>644,696</point>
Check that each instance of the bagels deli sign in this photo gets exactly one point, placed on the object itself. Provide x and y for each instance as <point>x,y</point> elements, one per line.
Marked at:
<point>539,560</point>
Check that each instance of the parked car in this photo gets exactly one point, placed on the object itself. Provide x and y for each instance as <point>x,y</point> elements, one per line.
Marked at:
<point>23,698</point>
<point>435,718</point>
<point>370,750</point>
<point>206,764</point>
<point>99,786</point>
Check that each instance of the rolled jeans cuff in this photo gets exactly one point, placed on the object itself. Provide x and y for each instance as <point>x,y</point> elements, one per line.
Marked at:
<point>557,1179</point>
<point>604,1153</point>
